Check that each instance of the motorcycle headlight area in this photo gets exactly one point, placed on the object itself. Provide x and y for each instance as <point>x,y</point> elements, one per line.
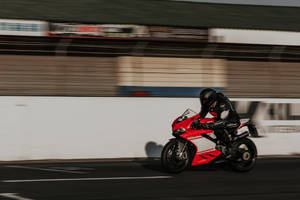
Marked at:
<point>179,131</point>
<point>182,118</point>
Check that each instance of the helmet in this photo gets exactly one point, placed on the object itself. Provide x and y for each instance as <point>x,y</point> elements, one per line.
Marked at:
<point>207,97</point>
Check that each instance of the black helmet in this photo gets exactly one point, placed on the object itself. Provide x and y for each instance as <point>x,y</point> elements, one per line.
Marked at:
<point>207,97</point>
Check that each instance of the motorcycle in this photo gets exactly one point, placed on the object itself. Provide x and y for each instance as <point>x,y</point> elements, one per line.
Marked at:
<point>192,147</point>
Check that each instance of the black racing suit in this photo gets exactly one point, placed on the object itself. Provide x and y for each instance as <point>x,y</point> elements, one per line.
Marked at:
<point>227,119</point>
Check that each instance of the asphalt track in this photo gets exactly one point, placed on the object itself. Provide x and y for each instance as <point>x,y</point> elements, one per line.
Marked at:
<point>270,179</point>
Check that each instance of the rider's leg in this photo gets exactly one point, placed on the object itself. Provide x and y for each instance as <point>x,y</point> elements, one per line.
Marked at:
<point>252,129</point>
<point>222,136</point>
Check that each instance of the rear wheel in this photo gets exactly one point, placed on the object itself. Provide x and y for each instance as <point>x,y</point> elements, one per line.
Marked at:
<point>175,156</point>
<point>244,155</point>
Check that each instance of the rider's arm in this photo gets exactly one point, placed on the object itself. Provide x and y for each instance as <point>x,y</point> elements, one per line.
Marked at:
<point>203,112</point>
<point>223,120</point>
<point>220,124</point>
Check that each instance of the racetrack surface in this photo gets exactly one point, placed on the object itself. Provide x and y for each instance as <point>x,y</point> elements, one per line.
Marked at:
<point>270,179</point>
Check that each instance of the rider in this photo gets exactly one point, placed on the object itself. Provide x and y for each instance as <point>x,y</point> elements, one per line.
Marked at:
<point>218,105</point>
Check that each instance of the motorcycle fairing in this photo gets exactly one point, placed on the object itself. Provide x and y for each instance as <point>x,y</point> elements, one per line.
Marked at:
<point>205,149</point>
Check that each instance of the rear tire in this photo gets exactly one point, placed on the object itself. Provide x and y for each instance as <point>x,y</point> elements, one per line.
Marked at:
<point>169,159</point>
<point>245,154</point>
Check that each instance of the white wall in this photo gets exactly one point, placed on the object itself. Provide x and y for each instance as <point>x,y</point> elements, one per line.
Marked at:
<point>82,127</point>
<point>49,127</point>
<point>248,36</point>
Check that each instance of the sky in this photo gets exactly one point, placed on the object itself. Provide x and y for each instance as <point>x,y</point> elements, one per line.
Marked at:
<point>294,3</point>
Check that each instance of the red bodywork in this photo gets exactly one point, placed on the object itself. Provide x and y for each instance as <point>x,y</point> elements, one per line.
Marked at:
<point>202,156</point>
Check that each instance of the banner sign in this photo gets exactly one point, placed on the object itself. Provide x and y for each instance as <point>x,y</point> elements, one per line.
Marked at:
<point>169,33</point>
<point>105,30</point>
<point>127,32</point>
<point>23,27</point>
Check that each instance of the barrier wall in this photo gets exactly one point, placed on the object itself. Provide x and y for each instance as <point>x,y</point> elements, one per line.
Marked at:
<point>103,127</point>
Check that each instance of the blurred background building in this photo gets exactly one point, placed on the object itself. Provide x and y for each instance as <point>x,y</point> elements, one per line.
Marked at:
<point>155,48</point>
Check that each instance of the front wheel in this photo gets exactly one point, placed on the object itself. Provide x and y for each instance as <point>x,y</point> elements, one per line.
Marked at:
<point>245,154</point>
<point>175,156</point>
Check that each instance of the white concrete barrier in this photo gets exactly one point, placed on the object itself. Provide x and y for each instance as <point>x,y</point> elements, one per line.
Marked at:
<point>101,127</point>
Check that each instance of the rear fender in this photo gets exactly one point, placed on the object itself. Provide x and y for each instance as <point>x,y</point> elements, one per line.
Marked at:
<point>242,135</point>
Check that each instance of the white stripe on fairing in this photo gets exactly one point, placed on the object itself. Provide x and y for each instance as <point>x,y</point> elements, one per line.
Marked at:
<point>44,169</point>
<point>203,144</point>
<point>86,179</point>
<point>197,137</point>
<point>205,151</point>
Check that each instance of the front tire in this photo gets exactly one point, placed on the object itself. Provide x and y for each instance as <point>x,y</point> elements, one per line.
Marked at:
<point>170,157</point>
<point>245,155</point>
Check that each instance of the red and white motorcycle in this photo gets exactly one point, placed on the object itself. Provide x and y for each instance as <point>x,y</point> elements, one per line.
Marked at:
<point>192,147</point>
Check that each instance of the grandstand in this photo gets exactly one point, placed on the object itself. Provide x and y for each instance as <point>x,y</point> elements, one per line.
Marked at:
<point>168,48</point>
